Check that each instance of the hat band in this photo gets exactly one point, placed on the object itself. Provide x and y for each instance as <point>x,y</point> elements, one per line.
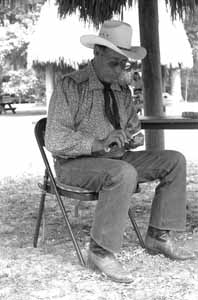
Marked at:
<point>122,48</point>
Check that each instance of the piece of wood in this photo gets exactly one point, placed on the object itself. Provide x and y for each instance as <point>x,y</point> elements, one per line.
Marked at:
<point>151,69</point>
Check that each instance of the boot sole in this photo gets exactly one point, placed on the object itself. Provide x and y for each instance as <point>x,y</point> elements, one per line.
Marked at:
<point>157,252</point>
<point>154,251</point>
<point>93,267</point>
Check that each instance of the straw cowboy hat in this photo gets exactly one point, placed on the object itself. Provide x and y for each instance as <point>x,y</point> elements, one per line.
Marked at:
<point>117,36</point>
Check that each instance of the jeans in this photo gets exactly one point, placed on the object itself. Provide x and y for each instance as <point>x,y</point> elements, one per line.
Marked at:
<point>116,179</point>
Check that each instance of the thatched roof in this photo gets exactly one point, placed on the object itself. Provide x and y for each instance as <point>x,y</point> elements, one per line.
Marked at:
<point>56,40</point>
<point>100,10</point>
<point>175,48</point>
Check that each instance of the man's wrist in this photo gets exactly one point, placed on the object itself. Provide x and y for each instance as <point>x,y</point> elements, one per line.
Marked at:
<point>97,146</point>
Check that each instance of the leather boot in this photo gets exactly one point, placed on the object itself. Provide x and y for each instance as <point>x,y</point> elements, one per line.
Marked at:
<point>159,242</point>
<point>104,261</point>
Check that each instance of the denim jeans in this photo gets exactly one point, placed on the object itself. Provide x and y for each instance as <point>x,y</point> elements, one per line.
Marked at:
<point>116,180</point>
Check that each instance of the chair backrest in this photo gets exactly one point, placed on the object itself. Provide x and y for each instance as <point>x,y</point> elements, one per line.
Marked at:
<point>39,132</point>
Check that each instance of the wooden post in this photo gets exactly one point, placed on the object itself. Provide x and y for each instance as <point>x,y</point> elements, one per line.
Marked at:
<point>151,70</point>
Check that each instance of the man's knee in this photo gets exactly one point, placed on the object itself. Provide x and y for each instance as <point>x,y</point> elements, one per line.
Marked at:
<point>122,172</point>
<point>174,163</point>
<point>177,158</point>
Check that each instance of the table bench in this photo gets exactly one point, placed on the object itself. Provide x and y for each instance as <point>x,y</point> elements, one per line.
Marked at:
<point>6,102</point>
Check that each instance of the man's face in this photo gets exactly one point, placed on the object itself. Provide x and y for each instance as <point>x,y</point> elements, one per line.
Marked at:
<point>109,65</point>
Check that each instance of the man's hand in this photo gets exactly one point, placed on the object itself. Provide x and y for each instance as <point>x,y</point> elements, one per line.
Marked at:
<point>136,141</point>
<point>116,137</point>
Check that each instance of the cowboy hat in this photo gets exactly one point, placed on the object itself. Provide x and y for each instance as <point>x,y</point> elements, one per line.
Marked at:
<point>117,36</point>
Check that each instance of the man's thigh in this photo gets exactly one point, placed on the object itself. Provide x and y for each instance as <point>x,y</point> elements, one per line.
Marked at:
<point>89,172</point>
<point>152,165</point>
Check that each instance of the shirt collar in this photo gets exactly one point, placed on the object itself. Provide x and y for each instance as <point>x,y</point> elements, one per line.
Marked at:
<point>95,83</point>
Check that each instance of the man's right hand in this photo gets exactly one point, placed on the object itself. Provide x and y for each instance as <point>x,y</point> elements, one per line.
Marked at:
<point>116,137</point>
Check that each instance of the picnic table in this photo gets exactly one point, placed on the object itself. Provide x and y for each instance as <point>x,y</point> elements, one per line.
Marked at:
<point>168,122</point>
<point>6,102</point>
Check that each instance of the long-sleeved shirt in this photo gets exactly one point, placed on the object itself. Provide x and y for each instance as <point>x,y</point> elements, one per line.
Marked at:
<point>76,113</point>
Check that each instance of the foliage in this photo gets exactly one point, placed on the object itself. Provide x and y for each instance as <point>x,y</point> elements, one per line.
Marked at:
<point>16,29</point>
<point>17,25</point>
<point>25,85</point>
<point>9,9</point>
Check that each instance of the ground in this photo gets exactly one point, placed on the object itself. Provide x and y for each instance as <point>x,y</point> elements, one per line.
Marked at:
<point>52,271</point>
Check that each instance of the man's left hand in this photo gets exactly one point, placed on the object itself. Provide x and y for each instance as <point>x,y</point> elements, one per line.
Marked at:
<point>136,141</point>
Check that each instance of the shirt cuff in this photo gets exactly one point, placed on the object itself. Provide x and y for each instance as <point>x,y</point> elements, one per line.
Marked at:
<point>87,145</point>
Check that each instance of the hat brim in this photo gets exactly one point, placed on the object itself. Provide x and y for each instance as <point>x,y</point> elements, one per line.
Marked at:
<point>134,52</point>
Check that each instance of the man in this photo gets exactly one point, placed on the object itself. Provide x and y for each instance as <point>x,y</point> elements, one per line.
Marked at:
<point>91,121</point>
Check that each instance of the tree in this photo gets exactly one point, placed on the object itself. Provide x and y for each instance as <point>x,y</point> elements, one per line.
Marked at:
<point>9,9</point>
<point>15,35</point>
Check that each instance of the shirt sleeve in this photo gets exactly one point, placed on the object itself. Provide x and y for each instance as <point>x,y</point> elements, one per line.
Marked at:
<point>61,138</point>
<point>133,123</point>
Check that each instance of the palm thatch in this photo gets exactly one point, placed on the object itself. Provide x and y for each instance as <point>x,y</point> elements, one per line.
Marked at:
<point>94,10</point>
<point>57,40</point>
<point>180,7</point>
<point>100,10</point>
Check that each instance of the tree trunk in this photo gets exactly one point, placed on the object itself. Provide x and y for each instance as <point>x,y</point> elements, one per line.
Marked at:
<point>151,70</point>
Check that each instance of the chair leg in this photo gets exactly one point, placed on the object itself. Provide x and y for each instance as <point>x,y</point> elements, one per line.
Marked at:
<point>135,226</point>
<point>74,241</point>
<point>39,218</point>
<point>76,209</point>
<point>41,209</point>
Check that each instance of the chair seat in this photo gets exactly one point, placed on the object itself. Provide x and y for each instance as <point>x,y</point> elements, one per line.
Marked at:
<point>70,191</point>
<point>73,188</point>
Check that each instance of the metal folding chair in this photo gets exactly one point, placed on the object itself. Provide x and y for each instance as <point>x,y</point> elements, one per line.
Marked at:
<point>52,186</point>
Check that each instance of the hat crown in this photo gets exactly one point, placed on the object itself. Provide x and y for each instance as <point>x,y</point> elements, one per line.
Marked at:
<point>115,35</point>
<point>118,33</point>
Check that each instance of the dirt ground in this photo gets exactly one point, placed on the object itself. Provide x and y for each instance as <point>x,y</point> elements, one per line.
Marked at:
<point>52,271</point>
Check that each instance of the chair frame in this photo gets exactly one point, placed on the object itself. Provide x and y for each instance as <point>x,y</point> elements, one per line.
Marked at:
<point>51,186</point>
